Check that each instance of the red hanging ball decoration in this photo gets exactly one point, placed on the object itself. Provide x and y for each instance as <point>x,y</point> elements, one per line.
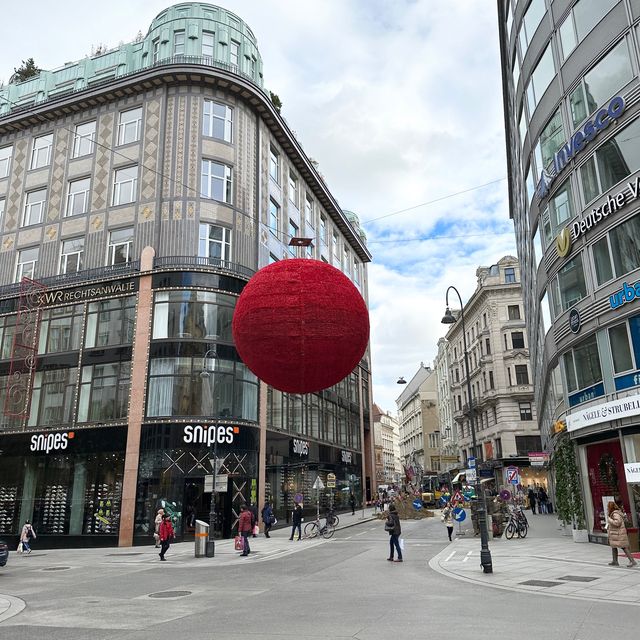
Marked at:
<point>301,325</point>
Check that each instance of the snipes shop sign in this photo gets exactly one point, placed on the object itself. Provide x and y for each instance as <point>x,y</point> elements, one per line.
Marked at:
<point>622,408</point>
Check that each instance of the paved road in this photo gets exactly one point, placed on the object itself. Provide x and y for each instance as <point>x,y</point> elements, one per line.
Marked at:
<point>342,588</point>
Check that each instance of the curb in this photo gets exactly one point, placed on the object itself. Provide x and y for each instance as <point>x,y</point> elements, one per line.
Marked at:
<point>16,605</point>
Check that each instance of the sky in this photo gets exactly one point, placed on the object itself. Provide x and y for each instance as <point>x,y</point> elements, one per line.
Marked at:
<point>399,101</point>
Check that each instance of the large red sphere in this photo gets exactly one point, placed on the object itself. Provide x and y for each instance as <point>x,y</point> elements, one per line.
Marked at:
<point>300,325</point>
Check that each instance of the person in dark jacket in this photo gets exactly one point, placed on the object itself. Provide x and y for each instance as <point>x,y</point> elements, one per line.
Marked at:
<point>352,503</point>
<point>268,518</point>
<point>297,522</point>
<point>253,507</point>
<point>245,528</point>
<point>531,494</point>
<point>166,534</point>
<point>392,525</point>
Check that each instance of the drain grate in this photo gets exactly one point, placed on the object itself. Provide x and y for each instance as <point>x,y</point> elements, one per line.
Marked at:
<point>578,578</point>
<point>540,583</point>
<point>170,594</point>
<point>56,568</point>
<point>125,554</point>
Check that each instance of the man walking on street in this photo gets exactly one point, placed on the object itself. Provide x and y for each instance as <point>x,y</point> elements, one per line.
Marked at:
<point>352,503</point>
<point>297,522</point>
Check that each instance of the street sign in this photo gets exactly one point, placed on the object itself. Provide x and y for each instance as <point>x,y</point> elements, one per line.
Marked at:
<point>318,484</point>
<point>417,504</point>
<point>457,497</point>
<point>513,476</point>
<point>471,475</point>
<point>331,480</point>
<point>298,498</point>
<point>459,514</point>
<point>471,463</point>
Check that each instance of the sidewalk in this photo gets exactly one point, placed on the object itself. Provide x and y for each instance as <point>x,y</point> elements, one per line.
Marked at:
<point>545,562</point>
<point>179,555</point>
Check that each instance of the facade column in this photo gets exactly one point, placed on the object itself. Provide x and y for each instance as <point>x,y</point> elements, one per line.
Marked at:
<point>262,452</point>
<point>139,366</point>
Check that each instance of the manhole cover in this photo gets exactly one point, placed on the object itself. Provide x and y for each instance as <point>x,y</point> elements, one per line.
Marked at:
<point>125,554</point>
<point>56,568</point>
<point>540,583</point>
<point>170,594</point>
<point>578,578</point>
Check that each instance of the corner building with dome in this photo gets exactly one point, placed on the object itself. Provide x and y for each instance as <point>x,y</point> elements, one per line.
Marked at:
<point>140,189</point>
<point>570,74</point>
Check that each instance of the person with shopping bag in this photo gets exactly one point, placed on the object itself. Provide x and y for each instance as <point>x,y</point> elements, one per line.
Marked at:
<point>166,534</point>
<point>245,528</point>
<point>392,527</point>
<point>26,536</point>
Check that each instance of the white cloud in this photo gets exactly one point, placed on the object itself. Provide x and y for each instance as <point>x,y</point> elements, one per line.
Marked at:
<point>399,101</point>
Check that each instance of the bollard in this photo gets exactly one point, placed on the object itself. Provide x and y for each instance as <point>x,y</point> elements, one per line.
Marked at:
<point>202,534</point>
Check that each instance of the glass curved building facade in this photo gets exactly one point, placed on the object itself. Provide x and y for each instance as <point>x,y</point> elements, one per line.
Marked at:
<point>140,188</point>
<point>572,105</point>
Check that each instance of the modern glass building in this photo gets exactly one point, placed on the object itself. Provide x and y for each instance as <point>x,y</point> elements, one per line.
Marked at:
<point>140,188</point>
<point>572,100</point>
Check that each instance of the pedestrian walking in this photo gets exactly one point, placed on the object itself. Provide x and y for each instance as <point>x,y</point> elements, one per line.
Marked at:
<point>352,503</point>
<point>617,532</point>
<point>447,519</point>
<point>166,534</point>
<point>268,518</point>
<point>531,494</point>
<point>392,526</point>
<point>296,522</point>
<point>245,528</point>
<point>542,500</point>
<point>156,527</point>
<point>253,508</point>
<point>26,535</point>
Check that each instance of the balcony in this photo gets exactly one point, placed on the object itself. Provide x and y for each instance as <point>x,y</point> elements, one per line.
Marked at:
<point>217,264</point>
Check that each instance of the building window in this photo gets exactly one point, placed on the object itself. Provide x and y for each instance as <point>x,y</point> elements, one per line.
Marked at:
<point>60,329</point>
<point>104,392</point>
<point>217,120</point>
<point>26,263</point>
<point>517,340</point>
<point>532,18</point>
<point>71,255</point>
<point>120,246</point>
<point>612,162</point>
<point>293,189</point>
<point>584,15</point>
<point>2,205</point>
<point>41,151</point>
<point>52,397</point>
<point>110,323</point>
<point>569,287</point>
<point>525,411</point>
<point>178,43</point>
<point>34,207</point>
<point>234,53</point>
<point>125,185</point>
<point>550,140</point>
<point>5,161</point>
<point>156,50</point>
<point>208,44</point>
<point>78,197</point>
<point>526,444</point>
<point>274,165</point>
<point>513,311</point>
<point>274,217</point>
<point>84,139</point>
<point>323,230</point>
<point>308,213</point>
<point>130,126</point>
<point>193,314</point>
<point>621,348</point>
<point>522,374</point>
<point>293,233</point>
<point>582,365</point>
<point>214,242</point>
<point>601,83</point>
<point>560,210</point>
<point>618,253</point>
<point>356,271</point>
<point>487,344</point>
<point>216,181</point>
<point>510,275</point>
<point>541,78</point>
<point>334,245</point>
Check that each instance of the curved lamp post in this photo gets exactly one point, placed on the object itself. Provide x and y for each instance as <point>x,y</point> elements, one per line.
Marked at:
<point>205,374</point>
<point>485,554</point>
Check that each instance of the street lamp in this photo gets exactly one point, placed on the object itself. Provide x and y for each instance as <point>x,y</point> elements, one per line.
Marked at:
<point>205,374</point>
<point>485,554</point>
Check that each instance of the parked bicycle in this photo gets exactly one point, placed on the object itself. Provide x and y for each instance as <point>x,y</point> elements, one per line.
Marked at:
<point>517,523</point>
<point>316,527</point>
<point>332,518</point>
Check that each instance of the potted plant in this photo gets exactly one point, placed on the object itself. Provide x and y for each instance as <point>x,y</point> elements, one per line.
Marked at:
<point>569,503</point>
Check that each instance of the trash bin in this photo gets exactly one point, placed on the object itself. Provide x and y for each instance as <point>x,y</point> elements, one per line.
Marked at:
<point>202,535</point>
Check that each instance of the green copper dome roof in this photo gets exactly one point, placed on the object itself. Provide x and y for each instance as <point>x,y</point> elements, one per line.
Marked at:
<point>191,33</point>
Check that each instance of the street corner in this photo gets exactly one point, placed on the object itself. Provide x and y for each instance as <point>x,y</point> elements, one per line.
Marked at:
<point>10,606</point>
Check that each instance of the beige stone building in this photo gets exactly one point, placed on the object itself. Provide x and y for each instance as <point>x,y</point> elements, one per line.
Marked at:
<point>386,434</point>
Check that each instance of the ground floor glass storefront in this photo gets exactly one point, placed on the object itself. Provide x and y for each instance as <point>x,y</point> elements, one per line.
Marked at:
<point>176,473</point>
<point>68,484</point>
<point>294,463</point>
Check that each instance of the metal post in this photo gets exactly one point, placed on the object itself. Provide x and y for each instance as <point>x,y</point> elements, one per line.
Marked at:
<point>211,543</point>
<point>485,553</point>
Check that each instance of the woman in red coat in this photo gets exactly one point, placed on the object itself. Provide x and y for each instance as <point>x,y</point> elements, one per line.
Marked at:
<point>166,533</point>
<point>245,528</point>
